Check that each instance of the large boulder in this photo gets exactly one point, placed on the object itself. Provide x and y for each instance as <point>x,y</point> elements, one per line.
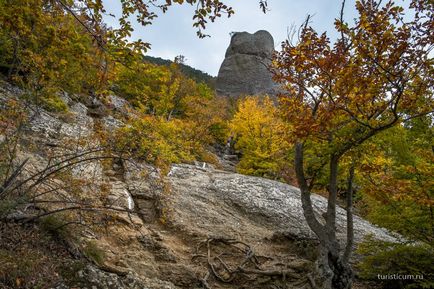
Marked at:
<point>244,70</point>
<point>223,203</point>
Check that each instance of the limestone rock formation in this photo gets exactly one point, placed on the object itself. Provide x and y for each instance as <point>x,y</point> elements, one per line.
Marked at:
<point>244,70</point>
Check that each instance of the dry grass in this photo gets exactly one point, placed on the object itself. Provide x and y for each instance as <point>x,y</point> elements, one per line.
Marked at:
<point>32,258</point>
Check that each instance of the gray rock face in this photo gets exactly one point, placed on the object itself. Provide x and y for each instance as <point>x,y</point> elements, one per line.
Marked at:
<point>233,204</point>
<point>96,278</point>
<point>196,201</point>
<point>244,70</point>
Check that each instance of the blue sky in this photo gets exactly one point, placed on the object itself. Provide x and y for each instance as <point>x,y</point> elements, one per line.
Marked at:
<point>172,33</point>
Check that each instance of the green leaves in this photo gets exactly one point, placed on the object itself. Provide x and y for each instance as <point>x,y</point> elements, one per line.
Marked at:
<point>48,51</point>
<point>414,264</point>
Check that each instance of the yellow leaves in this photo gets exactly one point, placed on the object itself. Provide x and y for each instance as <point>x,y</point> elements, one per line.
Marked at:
<point>375,165</point>
<point>162,142</point>
<point>63,62</point>
<point>261,136</point>
<point>160,90</point>
<point>178,116</point>
<point>398,169</point>
<point>49,50</point>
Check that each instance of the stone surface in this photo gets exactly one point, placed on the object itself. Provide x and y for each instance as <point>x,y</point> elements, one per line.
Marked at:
<point>49,125</point>
<point>144,184</point>
<point>119,196</point>
<point>93,277</point>
<point>119,105</point>
<point>224,203</point>
<point>244,70</point>
<point>111,124</point>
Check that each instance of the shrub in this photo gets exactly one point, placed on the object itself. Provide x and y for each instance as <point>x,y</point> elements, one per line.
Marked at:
<point>382,258</point>
<point>160,141</point>
<point>55,225</point>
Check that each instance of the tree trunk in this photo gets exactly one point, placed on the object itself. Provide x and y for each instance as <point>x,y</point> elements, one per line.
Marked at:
<point>332,268</point>
<point>342,272</point>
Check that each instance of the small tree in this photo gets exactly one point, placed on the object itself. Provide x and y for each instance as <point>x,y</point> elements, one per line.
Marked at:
<point>260,135</point>
<point>376,75</point>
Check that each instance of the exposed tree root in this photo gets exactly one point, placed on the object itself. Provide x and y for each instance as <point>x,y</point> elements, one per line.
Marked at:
<point>228,260</point>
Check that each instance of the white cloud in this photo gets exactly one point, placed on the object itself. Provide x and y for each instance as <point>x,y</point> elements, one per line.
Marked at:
<point>172,33</point>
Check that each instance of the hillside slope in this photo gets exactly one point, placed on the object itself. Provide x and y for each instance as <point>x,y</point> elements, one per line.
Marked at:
<point>159,231</point>
<point>193,73</point>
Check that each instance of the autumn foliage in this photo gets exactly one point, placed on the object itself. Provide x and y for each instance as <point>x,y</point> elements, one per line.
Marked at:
<point>48,50</point>
<point>261,137</point>
<point>340,96</point>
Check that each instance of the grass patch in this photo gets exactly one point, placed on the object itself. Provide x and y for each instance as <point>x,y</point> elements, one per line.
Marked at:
<point>93,252</point>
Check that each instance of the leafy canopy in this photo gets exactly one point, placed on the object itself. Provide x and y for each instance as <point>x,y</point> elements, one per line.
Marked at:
<point>379,73</point>
<point>340,96</point>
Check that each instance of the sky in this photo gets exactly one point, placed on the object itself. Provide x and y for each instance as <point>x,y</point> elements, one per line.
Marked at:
<point>172,33</point>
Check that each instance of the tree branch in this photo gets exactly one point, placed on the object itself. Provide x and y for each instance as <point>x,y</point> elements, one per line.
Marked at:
<point>350,224</point>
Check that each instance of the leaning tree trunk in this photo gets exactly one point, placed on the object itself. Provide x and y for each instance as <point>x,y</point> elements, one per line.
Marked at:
<point>332,270</point>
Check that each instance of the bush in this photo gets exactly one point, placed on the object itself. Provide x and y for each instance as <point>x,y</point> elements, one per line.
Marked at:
<point>56,225</point>
<point>161,142</point>
<point>54,103</point>
<point>405,260</point>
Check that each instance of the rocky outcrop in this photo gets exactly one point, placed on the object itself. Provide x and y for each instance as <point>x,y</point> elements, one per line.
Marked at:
<point>156,222</point>
<point>244,70</point>
<point>229,204</point>
<point>93,277</point>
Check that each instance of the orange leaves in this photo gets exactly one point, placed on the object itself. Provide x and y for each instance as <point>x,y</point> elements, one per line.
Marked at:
<point>399,168</point>
<point>402,184</point>
<point>364,83</point>
<point>377,76</point>
<point>46,50</point>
